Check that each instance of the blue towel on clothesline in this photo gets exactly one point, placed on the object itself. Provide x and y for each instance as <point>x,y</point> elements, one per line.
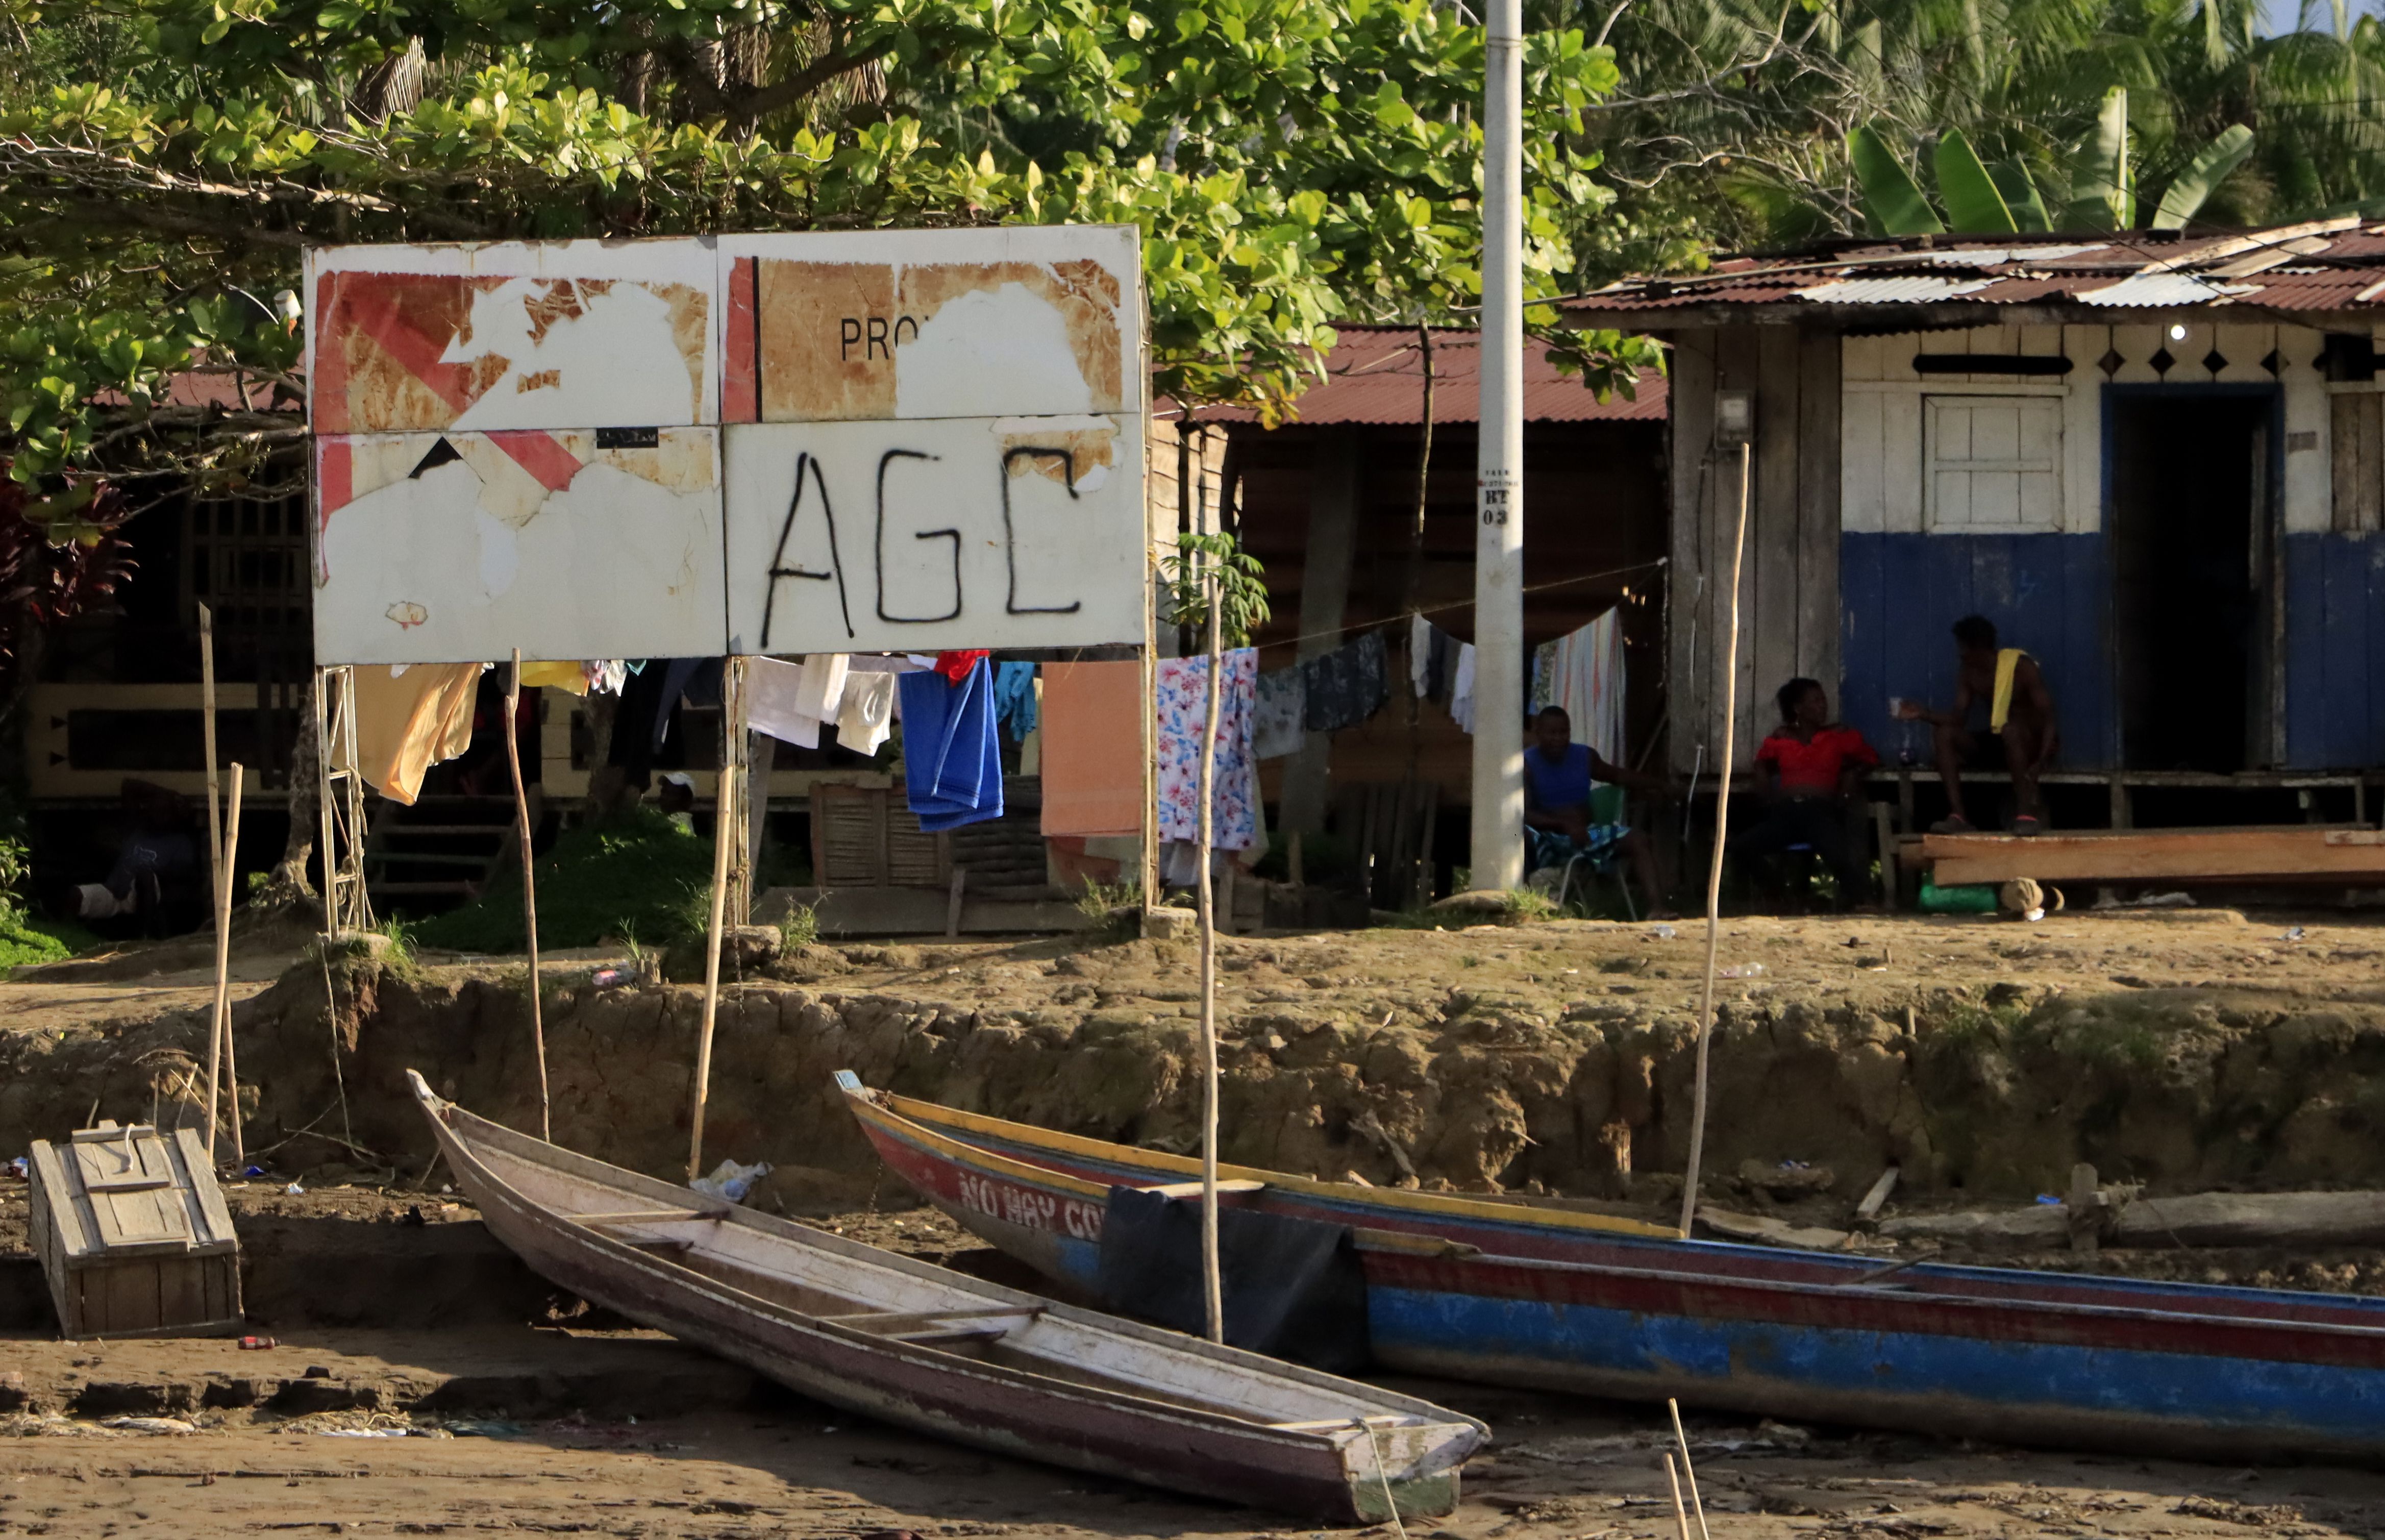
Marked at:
<point>1014,697</point>
<point>952,764</point>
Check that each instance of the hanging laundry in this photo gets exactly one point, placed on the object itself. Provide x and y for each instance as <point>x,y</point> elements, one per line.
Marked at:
<point>1276,717</point>
<point>1586,678</point>
<point>571,678</point>
<point>955,665</point>
<point>952,764</point>
<point>1542,692</point>
<point>1182,707</point>
<point>822,690</point>
<point>1429,651</point>
<point>1461,689</point>
<point>1014,697</point>
<point>409,720</point>
<point>866,712</point>
<point>774,692</point>
<point>1347,685</point>
<point>1031,747</point>
<point>1094,761</point>
<point>695,679</point>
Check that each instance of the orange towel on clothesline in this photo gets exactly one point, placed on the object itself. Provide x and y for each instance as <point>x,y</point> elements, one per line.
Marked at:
<point>408,724</point>
<point>1092,749</point>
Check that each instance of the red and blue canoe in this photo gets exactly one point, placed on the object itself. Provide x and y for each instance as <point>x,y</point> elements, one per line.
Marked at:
<point>1559,1299</point>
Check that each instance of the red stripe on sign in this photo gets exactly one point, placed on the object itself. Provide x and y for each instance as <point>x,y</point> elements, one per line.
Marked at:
<point>740,387</point>
<point>543,455</point>
<point>330,371</point>
<point>335,476</point>
<point>411,318</point>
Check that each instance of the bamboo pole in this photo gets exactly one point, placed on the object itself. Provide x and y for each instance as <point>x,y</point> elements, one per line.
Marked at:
<point>1680,1515</point>
<point>1689,1476</point>
<point>1714,867</point>
<point>724,835</point>
<point>530,890</point>
<point>220,1067</point>
<point>207,729</point>
<point>1212,1286</point>
<point>327,823</point>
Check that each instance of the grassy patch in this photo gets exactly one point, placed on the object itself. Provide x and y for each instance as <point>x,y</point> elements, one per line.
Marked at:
<point>24,940</point>
<point>637,874</point>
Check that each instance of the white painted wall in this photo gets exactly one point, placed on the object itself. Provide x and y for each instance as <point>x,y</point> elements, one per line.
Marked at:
<point>1885,438</point>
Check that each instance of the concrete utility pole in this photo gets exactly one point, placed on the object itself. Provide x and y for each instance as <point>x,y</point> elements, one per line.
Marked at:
<point>1499,497</point>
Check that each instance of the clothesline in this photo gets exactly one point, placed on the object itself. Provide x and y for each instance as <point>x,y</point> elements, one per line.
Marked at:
<point>1469,604</point>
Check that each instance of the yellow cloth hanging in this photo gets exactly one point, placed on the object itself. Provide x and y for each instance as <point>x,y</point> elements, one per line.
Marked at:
<point>410,722</point>
<point>2007,662</point>
<point>555,676</point>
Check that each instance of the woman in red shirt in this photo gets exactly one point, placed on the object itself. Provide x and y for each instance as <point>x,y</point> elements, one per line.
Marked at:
<point>1809,773</point>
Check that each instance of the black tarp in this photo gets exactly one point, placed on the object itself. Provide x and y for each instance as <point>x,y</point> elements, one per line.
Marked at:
<point>1293,1288</point>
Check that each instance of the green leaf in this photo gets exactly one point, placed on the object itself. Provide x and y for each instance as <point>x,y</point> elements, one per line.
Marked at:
<point>1891,195</point>
<point>1973,205</point>
<point>2099,197</point>
<point>2203,175</point>
<point>2021,196</point>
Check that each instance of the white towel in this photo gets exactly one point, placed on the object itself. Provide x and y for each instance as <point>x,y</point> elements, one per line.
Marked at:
<point>868,709</point>
<point>1461,692</point>
<point>774,693</point>
<point>823,686</point>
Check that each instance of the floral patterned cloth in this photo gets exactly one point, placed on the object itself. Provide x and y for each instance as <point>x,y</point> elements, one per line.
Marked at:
<point>1182,709</point>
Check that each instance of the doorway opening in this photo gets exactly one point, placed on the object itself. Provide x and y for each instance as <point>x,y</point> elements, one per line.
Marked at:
<point>2194,549</point>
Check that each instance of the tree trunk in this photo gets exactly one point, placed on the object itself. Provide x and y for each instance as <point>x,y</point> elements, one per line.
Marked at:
<point>287,885</point>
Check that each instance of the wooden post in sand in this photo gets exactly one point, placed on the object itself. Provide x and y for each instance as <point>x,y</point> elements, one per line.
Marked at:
<point>1213,1296</point>
<point>724,838</point>
<point>207,732</point>
<point>222,1071</point>
<point>529,889</point>
<point>1729,661</point>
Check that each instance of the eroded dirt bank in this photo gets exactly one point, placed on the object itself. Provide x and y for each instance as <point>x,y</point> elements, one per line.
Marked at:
<point>2188,1051</point>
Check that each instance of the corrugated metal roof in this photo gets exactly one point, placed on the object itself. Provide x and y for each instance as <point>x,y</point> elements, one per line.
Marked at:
<point>1375,374</point>
<point>2331,263</point>
<point>1891,291</point>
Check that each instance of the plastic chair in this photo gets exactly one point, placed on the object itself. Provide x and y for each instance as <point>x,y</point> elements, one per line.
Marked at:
<point>1607,805</point>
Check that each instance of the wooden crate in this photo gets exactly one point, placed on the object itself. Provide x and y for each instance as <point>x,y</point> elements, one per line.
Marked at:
<point>133,1235</point>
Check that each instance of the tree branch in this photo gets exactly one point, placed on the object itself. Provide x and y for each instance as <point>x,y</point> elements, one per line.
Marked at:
<point>810,78</point>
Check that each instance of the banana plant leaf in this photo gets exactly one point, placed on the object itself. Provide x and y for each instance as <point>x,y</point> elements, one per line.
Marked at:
<point>1891,195</point>
<point>2203,175</point>
<point>2028,204</point>
<point>1974,207</point>
<point>2100,198</point>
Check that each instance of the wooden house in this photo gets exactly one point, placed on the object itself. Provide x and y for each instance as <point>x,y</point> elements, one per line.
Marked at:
<point>2154,460</point>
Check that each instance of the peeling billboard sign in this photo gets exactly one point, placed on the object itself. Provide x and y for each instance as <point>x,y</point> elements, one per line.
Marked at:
<point>1028,321</point>
<point>920,536</point>
<point>785,443</point>
<point>567,543</point>
<point>573,334</point>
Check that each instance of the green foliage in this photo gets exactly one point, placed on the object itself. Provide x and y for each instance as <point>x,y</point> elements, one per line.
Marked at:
<point>2102,197</point>
<point>2194,185</point>
<point>1202,560</point>
<point>637,874</point>
<point>1973,202</point>
<point>25,939</point>
<point>1891,197</point>
<point>1290,163</point>
<point>799,929</point>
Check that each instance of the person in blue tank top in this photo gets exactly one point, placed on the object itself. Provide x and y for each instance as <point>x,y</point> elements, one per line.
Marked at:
<point>1558,774</point>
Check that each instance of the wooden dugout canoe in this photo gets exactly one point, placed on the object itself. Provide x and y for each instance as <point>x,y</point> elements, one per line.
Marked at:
<point>1509,1294</point>
<point>942,1353</point>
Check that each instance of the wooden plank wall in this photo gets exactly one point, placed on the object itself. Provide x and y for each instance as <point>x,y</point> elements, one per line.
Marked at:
<point>1789,582</point>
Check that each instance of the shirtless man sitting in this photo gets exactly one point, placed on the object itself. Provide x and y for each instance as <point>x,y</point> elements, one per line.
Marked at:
<point>2022,734</point>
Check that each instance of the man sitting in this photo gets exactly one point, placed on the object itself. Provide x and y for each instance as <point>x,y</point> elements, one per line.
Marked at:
<point>1557,823</point>
<point>2022,735</point>
<point>1809,773</point>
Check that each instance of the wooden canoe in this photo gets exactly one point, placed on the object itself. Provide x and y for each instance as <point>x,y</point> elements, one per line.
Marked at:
<point>1509,1294</point>
<point>934,1351</point>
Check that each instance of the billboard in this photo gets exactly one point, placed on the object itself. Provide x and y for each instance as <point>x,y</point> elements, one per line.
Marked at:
<point>787,443</point>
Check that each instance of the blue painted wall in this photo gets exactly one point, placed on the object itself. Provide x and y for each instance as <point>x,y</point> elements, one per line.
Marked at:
<point>2335,650</point>
<point>2047,593</point>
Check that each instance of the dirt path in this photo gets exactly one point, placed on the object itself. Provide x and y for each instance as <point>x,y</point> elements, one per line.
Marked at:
<point>779,1466</point>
